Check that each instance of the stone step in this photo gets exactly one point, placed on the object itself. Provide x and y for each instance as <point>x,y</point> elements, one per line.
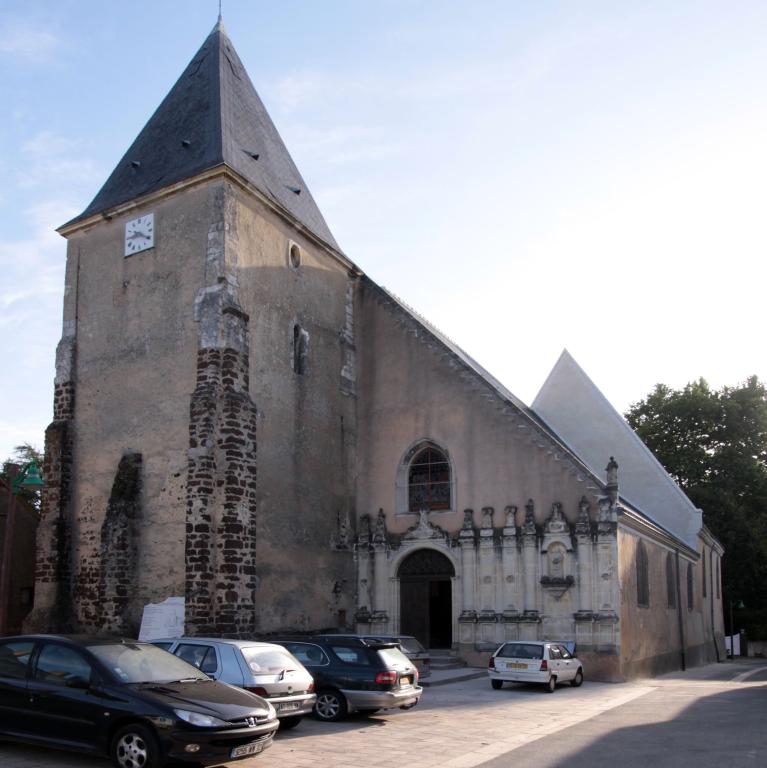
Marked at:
<point>444,658</point>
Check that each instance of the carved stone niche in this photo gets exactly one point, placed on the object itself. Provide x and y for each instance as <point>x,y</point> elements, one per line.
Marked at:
<point>557,551</point>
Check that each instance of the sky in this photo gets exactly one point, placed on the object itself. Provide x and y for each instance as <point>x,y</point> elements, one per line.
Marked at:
<point>529,176</point>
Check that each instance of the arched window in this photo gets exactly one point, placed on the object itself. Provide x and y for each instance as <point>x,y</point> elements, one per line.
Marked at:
<point>428,480</point>
<point>643,576</point>
<point>703,581</point>
<point>670,581</point>
<point>690,594</point>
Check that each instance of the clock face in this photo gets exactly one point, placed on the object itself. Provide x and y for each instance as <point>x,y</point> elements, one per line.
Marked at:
<point>139,234</point>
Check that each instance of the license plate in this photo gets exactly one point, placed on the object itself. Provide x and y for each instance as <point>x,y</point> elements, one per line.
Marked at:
<point>288,706</point>
<point>516,665</point>
<point>249,749</point>
<point>406,680</point>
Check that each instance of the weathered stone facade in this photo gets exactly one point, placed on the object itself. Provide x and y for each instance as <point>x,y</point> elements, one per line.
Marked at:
<point>250,410</point>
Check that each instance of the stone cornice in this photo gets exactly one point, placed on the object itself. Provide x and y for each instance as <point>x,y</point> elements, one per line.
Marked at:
<point>221,171</point>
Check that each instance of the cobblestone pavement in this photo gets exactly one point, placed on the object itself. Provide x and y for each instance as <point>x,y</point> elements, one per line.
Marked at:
<point>459,725</point>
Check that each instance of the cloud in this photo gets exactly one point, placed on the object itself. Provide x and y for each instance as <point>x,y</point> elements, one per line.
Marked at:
<point>28,42</point>
<point>53,159</point>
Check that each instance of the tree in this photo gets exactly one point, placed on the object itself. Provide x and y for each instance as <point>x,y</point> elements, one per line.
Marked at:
<point>714,444</point>
<point>23,454</point>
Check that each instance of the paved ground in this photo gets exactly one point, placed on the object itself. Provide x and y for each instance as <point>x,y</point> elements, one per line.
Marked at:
<point>708,717</point>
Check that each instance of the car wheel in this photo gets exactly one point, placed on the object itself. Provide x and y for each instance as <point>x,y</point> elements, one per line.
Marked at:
<point>135,746</point>
<point>578,679</point>
<point>497,684</point>
<point>286,723</point>
<point>551,686</point>
<point>330,706</point>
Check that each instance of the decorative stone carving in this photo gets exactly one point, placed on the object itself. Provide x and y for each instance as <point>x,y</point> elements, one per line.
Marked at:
<point>487,517</point>
<point>363,537</point>
<point>528,529</point>
<point>379,537</point>
<point>467,529</point>
<point>583,526</point>
<point>612,480</point>
<point>341,539</point>
<point>556,523</point>
<point>511,516</point>
<point>424,529</point>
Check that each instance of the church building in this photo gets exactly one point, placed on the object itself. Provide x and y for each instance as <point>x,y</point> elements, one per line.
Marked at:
<point>244,419</point>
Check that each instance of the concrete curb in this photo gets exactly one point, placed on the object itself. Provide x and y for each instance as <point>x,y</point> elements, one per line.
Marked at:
<point>457,679</point>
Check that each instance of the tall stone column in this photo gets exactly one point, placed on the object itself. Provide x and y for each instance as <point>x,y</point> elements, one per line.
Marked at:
<point>530,557</point>
<point>585,559</point>
<point>487,565</point>
<point>381,602</point>
<point>468,569</point>
<point>509,583</point>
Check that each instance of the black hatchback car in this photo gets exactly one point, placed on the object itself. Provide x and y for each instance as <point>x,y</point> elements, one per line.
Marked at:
<point>130,700</point>
<point>355,675</point>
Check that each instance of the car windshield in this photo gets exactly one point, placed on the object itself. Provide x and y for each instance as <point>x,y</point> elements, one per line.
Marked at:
<point>144,663</point>
<point>393,657</point>
<point>269,660</point>
<point>521,651</point>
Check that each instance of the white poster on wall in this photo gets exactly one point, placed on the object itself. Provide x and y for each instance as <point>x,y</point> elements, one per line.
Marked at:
<point>165,619</point>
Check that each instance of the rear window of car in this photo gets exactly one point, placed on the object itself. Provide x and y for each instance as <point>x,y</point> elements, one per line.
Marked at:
<point>351,655</point>
<point>521,651</point>
<point>410,645</point>
<point>393,657</point>
<point>202,656</point>
<point>267,660</point>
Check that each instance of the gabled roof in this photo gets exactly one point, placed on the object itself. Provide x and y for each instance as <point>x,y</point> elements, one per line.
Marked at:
<point>212,116</point>
<point>579,413</point>
<point>504,396</point>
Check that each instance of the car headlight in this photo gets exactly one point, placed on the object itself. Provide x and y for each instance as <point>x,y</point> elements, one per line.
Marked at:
<point>197,718</point>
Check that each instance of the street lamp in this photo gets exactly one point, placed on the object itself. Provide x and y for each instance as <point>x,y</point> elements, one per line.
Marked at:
<point>24,478</point>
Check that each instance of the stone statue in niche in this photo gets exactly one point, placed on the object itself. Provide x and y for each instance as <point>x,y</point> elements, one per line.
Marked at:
<point>487,517</point>
<point>379,537</point>
<point>557,554</point>
<point>511,516</point>
<point>468,519</point>
<point>364,598</point>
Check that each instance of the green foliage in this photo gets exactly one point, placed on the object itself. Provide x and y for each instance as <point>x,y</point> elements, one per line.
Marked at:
<point>714,443</point>
<point>23,454</point>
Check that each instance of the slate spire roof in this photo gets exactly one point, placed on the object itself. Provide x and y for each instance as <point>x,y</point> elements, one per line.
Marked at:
<point>212,116</point>
<point>576,410</point>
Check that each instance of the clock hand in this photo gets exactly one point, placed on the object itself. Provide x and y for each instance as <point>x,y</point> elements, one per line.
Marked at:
<point>137,236</point>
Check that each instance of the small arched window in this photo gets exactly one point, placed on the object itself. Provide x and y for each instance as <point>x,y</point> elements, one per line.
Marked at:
<point>670,581</point>
<point>643,576</point>
<point>428,480</point>
<point>690,593</point>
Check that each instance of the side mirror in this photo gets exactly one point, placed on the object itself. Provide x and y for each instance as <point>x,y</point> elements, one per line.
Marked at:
<point>78,682</point>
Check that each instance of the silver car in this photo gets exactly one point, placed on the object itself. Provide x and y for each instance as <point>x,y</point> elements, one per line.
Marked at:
<point>262,668</point>
<point>534,661</point>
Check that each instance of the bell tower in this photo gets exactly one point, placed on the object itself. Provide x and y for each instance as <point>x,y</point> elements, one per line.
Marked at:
<point>189,278</point>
